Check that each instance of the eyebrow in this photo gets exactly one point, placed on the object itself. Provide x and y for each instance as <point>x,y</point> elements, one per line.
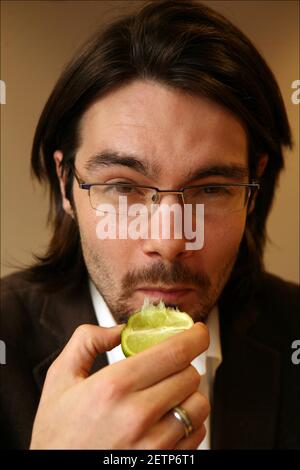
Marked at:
<point>109,158</point>
<point>230,171</point>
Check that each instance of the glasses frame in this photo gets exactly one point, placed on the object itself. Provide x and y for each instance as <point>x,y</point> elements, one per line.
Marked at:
<point>252,187</point>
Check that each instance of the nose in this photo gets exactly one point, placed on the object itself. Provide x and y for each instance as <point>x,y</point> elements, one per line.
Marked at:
<point>167,239</point>
<point>168,250</point>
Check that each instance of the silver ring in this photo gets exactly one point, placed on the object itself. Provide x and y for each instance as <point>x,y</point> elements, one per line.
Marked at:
<point>183,417</point>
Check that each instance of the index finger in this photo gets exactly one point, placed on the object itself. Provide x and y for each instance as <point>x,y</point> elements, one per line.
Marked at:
<point>158,362</point>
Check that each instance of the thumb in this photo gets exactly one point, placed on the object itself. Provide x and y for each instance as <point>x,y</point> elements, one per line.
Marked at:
<point>77,357</point>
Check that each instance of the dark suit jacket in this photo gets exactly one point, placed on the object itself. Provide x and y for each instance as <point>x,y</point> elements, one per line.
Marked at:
<point>256,390</point>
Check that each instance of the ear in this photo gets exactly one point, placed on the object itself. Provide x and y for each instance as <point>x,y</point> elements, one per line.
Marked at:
<point>58,156</point>
<point>263,161</point>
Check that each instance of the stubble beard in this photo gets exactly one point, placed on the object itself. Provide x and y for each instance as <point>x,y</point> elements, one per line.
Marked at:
<point>119,298</point>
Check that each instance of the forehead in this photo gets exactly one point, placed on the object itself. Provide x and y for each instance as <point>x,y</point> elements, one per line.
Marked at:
<point>171,129</point>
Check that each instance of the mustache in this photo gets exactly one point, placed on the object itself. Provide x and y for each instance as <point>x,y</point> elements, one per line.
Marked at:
<point>160,273</point>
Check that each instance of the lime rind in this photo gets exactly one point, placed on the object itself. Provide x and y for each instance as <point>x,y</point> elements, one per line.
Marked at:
<point>152,325</point>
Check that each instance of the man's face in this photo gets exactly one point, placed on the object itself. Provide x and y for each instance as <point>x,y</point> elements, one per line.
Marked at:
<point>176,137</point>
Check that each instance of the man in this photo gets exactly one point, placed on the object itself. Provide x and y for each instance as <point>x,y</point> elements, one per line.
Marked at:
<point>172,105</point>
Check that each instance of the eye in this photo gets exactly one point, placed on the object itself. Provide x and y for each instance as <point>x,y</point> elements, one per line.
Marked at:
<point>214,189</point>
<point>208,190</point>
<point>211,191</point>
<point>123,188</point>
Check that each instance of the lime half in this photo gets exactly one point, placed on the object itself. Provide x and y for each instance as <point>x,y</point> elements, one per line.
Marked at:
<point>152,325</point>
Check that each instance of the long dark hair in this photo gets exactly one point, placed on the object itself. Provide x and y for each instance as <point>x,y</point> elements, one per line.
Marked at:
<point>184,45</point>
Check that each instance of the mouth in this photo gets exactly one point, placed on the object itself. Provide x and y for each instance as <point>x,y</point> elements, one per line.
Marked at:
<point>167,295</point>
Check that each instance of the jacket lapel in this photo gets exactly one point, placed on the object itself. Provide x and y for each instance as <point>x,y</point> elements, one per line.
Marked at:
<point>246,388</point>
<point>61,314</point>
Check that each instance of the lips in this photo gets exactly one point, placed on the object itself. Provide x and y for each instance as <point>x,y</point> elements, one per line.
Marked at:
<point>168,295</point>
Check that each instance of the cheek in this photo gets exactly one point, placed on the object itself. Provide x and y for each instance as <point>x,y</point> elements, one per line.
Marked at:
<point>117,255</point>
<point>222,240</point>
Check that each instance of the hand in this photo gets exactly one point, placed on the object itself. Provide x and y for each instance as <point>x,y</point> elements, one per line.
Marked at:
<point>125,405</point>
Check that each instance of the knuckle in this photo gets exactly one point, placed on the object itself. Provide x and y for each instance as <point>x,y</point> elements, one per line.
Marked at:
<point>111,389</point>
<point>83,331</point>
<point>204,405</point>
<point>178,355</point>
<point>53,370</point>
<point>136,422</point>
<point>195,376</point>
<point>202,432</point>
<point>201,409</point>
<point>204,334</point>
<point>147,414</point>
<point>207,407</point>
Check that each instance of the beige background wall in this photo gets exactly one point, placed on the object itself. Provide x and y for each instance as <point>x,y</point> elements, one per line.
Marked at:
<point>38,37</point>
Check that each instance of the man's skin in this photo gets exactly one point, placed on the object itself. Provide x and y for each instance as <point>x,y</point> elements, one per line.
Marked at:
<point>126,405</point>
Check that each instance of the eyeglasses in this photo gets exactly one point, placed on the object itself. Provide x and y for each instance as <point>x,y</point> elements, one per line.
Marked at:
<point>217,198</point>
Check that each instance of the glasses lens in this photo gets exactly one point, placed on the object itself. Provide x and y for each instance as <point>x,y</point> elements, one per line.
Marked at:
<point>217,199</point>
<point>121,199</point>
